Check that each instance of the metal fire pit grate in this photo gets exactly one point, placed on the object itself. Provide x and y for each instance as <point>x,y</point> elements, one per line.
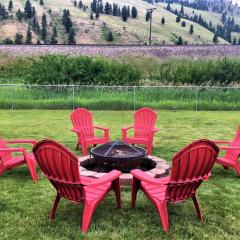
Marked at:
<point>118,155</point>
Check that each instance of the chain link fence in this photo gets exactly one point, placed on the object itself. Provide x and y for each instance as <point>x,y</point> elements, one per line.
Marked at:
<point>17,96</point>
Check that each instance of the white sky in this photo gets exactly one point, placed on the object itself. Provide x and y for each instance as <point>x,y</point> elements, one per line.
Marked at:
<point>236,1</point>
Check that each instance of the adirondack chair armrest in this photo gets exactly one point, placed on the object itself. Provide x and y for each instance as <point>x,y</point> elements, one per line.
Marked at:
<point>26,141</point>
<point>124,131</point>
<point>155,130</point>
<point>10,150</point>
<point>220,142</point>
<point>75,130</point>
<point>106,131</point>
<point>142,176</point>
<point>109,177</point>
<point>229,148</point>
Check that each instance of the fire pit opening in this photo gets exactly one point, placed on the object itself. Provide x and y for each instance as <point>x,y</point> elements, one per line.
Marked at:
<point>119,156</point>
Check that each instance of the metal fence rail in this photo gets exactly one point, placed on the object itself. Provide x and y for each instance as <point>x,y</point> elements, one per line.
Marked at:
<point>20,96</point>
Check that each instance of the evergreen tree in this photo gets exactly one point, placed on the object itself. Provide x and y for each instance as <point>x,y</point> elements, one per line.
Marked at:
<point>75,3</point>
<point>163,21</point>
<point>44,27</point>
<point>66,20</point>
<point>182,11</point>
<point>28,9</point>
<point>215,38</point>
<point>97,15</point>
<point>34,24</point>
<point>29,36</point>
<point>115,9</point>
<point>10,6</point>
<point>101,7</point>
<point>179,41</point>
<point>71,37</point>
<point>18,38</point>
<point>80,4</point>
<point>169,7</point>
<point>107,8</point>
<point>53,40</point>
<point>7,41</point>
<point>191,31</point>
<point>33,11</point>
<point>183,24</point>
<point>41,2</point>
<point>178,19</point>
<point>128,11</point>
<point>91,16</point>
<point>238,41</point>
<point>234,42</point>
<point>134,12</point>
<point>94,6</point>
<point>19,15</point>
<point>124,13</point>
<point>110,36</point>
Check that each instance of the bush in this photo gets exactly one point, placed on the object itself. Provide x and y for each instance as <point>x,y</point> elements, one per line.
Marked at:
<point>61,69</point>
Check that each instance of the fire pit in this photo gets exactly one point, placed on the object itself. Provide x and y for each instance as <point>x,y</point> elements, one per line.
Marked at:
<point>118,155</point>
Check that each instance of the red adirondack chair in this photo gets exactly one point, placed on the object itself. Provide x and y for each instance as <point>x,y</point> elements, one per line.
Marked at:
<point>8,161</point>
<point>232,153</point>
<point>83,127</point>
<point>144,130</point>
<point>190,167</point>
<point>61,167</point>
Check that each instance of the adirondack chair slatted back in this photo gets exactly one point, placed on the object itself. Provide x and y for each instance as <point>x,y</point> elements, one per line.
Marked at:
<point>82,120</point>
<point>190,167</point>
<point>144,122</point>
<point>60,166</point>
<point>234,155</point>
<point>4,156</point>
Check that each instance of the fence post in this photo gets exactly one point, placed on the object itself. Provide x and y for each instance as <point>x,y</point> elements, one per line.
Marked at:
<point>73,97</point>
<point>196,93</point>
<point>134,97</point>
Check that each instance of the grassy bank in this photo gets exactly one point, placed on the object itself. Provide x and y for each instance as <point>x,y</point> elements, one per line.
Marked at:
<point>25,206</point>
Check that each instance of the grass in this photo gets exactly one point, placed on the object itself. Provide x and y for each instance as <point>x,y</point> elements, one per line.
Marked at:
<point>25,206</point>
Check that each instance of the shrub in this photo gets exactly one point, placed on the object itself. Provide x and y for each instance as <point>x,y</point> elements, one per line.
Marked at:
<point>62,69</point>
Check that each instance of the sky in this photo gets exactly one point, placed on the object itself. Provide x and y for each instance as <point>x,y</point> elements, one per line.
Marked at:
<point>236,1</point>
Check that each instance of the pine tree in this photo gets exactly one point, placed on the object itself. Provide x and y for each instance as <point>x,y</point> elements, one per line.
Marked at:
<point>10,6</point>
<point>34,24</point>
<point>44,27</point>
<point>94,6</point>
<point>191,31</point>
<point>178,19</point>
<point>33,11</point>
<point>110,36</point>
<point>18,38</point>
<point>19,15</point>
<point>215,38</point>
<point>53,40</point>
<point>163,21</point>
<point>41,2</point>
<point>183,24</point>
<point>128,11</point>
<point>238,41</point>
<point>75,3</point>
<point>169,7</point>
<point>28,9</point>
<point>91,16</point>
<point>71,37</point>
<point>80,4</point>
<point>134,12</point>
<point>124,13</point>
<point>234,42</point>
<point>179,41</point>
<point>66,20</point>
<point>182,11</point>
<point>115,9</point>
<point>29,36</point>
<point>107,8</point>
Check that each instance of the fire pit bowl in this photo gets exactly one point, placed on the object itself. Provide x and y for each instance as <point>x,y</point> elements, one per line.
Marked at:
<point>118,155</point>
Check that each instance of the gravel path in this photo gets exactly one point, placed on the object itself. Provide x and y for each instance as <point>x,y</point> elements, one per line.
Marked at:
<point>113,51</point>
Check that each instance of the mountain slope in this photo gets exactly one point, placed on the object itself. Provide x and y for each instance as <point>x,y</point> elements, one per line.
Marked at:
<point>134,31</point>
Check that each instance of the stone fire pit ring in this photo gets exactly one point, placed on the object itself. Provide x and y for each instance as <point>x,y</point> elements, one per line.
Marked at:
<point>161,170</point>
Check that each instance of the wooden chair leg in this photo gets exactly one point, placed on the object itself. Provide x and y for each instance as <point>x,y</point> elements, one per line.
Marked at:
<point>116,188</point>
<point>54,207</point>
<point>163,214</point>
<point>197,207</point>
<point>32,164</point>
<point>87,216</point>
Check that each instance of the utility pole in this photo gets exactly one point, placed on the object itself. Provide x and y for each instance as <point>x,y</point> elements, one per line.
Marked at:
<point>150,12</point>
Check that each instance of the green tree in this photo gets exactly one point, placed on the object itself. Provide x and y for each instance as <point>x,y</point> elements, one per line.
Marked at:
<point>234,42</point>
<point>169,7</point>
<point>41,2</point>
<point>215,38</point>
<point>28,9</point>
<point>44,27</point>
<point>134,12</point>
<point>18,38</point>
<point>91,16</point>
<point>53,40</point>
<point>124,13</point>
<point>179,41</point>
<point>75,3</point>
<point>178,19</point>
<point>19,15</point>
<point>29,36</point>
<point>71,37</point>
<point>107,8</point>
<point>10,6</point>
<point>110,36</point>
<point>163,21</point>
<point>191,30</point>
<point>66,20</point>
<point>183,24</point>
<point>239,41</point>
<point>80,4</point>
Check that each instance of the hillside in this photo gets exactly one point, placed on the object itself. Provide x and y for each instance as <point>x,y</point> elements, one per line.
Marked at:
<point>134,31</point>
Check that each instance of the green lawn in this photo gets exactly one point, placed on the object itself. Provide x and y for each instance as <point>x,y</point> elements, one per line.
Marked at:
<point>24,206</point>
